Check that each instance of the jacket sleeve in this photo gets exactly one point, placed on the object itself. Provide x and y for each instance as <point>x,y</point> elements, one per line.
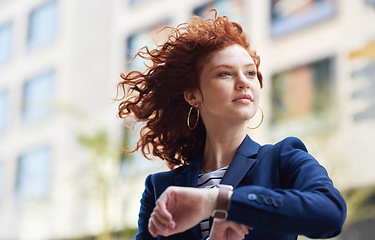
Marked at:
<point>307,204</point>
<point>147,205</point>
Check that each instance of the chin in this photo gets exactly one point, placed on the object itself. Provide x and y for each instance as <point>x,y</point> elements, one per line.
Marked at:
<point>246,117</point>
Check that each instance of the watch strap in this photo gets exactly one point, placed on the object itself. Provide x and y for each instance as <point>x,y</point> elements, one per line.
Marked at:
<point>222,202</point>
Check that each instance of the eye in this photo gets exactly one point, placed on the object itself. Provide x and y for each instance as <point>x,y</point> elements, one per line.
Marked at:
<point>251,73</point>
<point>224,74</point>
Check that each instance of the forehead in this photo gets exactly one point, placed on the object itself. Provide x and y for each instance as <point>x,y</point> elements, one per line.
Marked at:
<point>234,54</point>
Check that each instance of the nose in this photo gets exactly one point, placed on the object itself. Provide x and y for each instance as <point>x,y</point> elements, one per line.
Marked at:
<point>242,83</point>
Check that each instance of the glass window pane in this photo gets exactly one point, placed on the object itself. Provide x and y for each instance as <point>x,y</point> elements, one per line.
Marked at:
<point>234,9</point>
<point>43,24</point>
<point>5,42</point>
<point>288,16</point>
<point>3,109</point>
<point>372,2</point>
<point>147,37</point>
<point>135,43</point>
<point>33,174</point>
<point>37,97</point>
<point>132,2</point>
<point>302,92</point>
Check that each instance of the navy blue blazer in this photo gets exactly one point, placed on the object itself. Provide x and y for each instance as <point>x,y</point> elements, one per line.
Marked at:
<point>280,191</point>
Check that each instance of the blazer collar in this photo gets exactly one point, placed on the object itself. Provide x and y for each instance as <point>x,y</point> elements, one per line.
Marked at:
<point>243,160</point>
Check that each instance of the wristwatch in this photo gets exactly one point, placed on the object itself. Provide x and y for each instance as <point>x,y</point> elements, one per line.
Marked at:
<point>223,201</point>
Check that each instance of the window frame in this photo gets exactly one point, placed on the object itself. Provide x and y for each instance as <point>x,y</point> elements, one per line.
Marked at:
<point>8,49</point>
<point>22,188</point>
<point>44,109</point>
<point>318,12</point>
<point>4,122</point>
<point>39,14</point>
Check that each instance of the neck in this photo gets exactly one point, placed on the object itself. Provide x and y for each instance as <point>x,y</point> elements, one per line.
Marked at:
<point>221,145</point>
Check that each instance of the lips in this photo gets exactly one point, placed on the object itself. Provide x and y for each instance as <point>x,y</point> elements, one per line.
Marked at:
<point>243,97</point>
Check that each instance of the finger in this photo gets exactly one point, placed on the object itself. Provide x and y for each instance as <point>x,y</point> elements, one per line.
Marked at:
<point>245,229</point>
<point>156,228</point>
<point>238,229</point>
<point>160,228</point>
<point>165,213</point>
<point>234,235</point>
<point>234,230</point>
<point>151,228</point>
<point>161,204</point>
<point>162,218</point>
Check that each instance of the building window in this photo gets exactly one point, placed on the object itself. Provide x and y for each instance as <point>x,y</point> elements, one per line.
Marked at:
<point>302,95</point>
<point>37,97</point>
<point>33,174</point>
<point>43,24</point>
<point>5,43</point>
<point>3,109</point>
<point>234,9</point>
<point>134,43</point>
<point>289,15</point>
<point>133,2</point>
<point>371,2</point>
<point>364,77</point>
<point>147,37</point>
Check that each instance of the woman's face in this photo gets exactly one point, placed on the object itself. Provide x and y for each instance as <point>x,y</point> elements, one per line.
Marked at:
<point>229,87</point>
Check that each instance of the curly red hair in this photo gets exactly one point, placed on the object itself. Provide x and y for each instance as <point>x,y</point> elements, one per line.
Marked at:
<point>156,96</point>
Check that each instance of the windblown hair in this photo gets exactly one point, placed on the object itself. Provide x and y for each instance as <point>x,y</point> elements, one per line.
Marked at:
<point>156,96</point>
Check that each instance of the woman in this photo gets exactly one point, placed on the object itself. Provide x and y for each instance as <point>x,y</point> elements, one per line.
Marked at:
<point>196,98</point>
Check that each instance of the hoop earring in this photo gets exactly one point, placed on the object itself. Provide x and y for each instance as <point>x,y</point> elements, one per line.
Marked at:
<point>261,121</point>
<point>188,119</point>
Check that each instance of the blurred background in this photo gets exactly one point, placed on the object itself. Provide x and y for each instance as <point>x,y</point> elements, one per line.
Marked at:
<point>63,174</point>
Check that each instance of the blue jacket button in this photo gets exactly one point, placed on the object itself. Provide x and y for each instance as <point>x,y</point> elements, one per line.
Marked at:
<point>277,202</point>
<point>260,198</point>
<point>252,197</point>
<point>269,201</point>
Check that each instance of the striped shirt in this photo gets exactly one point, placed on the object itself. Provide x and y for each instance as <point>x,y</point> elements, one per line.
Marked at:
<point>209,180</point>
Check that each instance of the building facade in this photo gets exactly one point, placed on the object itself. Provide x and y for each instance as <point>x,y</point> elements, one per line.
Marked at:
<point>60,61</point>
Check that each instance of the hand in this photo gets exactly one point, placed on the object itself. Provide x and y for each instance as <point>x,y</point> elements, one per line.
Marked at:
<point>181,208</point>
<point>228,230</point>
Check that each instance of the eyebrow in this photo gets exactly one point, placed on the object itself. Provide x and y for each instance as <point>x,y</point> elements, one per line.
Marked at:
<point>229,66</point>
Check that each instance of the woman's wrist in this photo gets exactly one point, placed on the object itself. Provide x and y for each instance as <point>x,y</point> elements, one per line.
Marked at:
<point>214,194</point>
<point>211,199</point>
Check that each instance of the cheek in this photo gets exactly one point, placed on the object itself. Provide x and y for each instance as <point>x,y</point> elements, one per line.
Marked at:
<point>257,91</point>
<point>216,91</point>
<point>212,97</point>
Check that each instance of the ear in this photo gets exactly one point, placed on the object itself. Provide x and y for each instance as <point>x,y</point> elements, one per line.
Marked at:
<point>193,97</point>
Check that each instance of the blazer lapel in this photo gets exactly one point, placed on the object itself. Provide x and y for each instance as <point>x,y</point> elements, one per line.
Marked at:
<point>242,162</point>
